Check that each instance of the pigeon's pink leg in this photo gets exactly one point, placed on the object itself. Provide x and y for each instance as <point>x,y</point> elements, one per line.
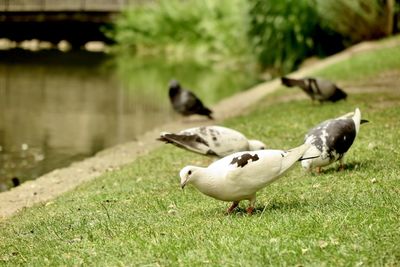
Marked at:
<point>319,169</point>
<point>250,209</point>
<point>233,206</point>
<point>341,165</point>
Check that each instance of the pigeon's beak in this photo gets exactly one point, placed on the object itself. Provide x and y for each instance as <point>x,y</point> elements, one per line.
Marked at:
<point>183,184</point>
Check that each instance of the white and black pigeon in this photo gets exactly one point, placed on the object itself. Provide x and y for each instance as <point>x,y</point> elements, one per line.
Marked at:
<point>316,88</point>
<point>212,140</point>
<point>331,139</point>
<point>186,102</point>
<point>240,175</point>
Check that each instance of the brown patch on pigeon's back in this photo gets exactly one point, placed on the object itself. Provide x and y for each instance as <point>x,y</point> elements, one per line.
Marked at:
<point>244,159</point>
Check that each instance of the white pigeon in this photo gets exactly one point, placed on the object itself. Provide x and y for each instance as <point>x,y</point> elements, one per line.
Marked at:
<point>331,140</point>
<point>212,140</point>
<point>240,175</point>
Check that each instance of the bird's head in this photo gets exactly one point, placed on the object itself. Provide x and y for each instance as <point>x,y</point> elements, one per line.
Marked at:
<point>256,145</point>
<point>187,175</point>
<point>174,87</point>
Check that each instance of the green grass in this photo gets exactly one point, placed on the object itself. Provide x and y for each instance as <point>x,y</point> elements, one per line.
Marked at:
<point>363,65</point>
<point>139,215</point>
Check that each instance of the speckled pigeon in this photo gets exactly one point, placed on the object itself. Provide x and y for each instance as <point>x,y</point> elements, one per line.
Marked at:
<point>317,89</point>
<point>211,140</point>
<point>331,139</point>
<point>185,102</point>
<point>240,175</point>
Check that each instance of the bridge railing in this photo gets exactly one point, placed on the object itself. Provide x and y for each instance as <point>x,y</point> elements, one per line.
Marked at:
<point>65,5</point>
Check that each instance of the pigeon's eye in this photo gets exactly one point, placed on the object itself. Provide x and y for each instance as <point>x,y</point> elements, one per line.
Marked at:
<point>189,172</point>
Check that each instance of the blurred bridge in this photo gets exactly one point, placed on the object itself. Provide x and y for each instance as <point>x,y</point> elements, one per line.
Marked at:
<point>62,5</point>
<point>76,21</point>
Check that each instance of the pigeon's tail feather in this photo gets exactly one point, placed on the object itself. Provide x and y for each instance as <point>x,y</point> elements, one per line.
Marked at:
<point>292,156</point>
<point>175,139</point>
<point>339,94</point>
<point>357,119</point>
<point>311,153</point>
<point>163,137</point>
<point>292,82</point>
<point>190,142</point>
<point>206,112</point>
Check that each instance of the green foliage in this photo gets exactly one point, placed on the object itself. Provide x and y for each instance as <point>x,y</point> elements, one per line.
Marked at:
<point>356,20</point>
<point>284,33</point>
<point>278,34</point>
<point>206,28</point>
<point>396,19</point>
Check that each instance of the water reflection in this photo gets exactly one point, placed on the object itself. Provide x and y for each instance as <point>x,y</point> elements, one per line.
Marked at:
<point>56,107</point>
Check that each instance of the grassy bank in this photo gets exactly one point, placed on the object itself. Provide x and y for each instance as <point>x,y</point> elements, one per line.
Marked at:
<point>139,216</point>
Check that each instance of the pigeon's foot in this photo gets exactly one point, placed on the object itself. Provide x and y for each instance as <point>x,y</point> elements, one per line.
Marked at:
<point>319,170</point>
<point>232,207</point>
<point>342,167</point>
<point>250,210</point>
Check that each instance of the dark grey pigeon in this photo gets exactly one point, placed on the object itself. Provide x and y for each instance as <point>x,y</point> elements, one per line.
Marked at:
<point>317,89</point>
<point>185,102</point>
<point>331,139</point>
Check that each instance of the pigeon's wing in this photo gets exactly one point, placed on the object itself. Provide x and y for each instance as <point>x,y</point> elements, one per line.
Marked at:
<point>223,141</point>
<point>190,99</point>
<point>317,137</point>
<point>323,89</point>
<point>195,106</point>
<point>340,135</point>
<point>317,130</point>
<point>250,163</point>
<point>244,173</point>
<point>251,171</point>
<point>192,142</point>
<point>336,135</point>
<point>184,102</point>
<point>339,94</point>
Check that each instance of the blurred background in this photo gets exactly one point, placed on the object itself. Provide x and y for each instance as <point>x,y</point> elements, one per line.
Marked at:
<point>79,76</point>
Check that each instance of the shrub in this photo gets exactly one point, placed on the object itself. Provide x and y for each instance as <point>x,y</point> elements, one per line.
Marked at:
<point>280,34</point>
<point>358,20</point>
<point>284,33</point>
<point>179,28</point>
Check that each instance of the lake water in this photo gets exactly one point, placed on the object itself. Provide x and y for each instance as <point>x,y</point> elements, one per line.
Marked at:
<point>56,108</point>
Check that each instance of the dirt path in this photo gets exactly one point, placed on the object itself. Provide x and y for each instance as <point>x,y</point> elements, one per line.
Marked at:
<point>62,180</point>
